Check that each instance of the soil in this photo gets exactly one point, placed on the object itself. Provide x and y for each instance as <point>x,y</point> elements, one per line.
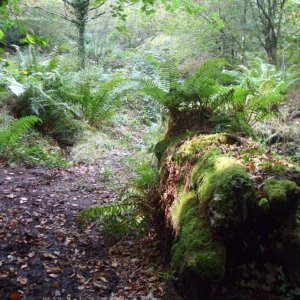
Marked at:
<point>45,254</point>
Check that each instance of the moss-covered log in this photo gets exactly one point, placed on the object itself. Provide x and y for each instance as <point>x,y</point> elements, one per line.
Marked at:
<point>232,213</point>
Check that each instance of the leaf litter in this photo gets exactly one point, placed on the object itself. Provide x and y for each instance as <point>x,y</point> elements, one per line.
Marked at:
<point>44,254</point>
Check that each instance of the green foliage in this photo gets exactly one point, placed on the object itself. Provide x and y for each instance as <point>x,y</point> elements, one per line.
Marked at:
<point>36,89</point>
<point>203,89</point>
<point>193,247</point>
<point>130,213</point>
<point>97,105</point>
<point>147,176</point>
<point>34,40</point>
<point>15,150</point>
<point>118,219</point>
<point>17,129</point>
<point>165,275</point>
<point>259,90</point>
<point>64,99</point>
<point>21,154</point>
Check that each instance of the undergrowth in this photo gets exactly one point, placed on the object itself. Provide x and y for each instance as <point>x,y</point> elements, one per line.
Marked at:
<point>17,146</point>
<point>131,214</point>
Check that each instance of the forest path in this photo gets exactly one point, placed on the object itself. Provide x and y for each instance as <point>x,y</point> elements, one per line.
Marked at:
<point>44,254</point>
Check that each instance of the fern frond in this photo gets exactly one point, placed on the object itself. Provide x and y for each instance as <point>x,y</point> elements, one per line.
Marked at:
<point>17,129</point>
<point>169,75</point>
<point>153,89</point>
<point>211,68</point>
<point>107,211</point>
<point>102,103</point>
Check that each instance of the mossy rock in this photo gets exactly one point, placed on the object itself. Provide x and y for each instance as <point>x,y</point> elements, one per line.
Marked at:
<point>163,145</point>
<point>284,198</point>
<point>204,165</point>
<point>194,247</point>
<point>222,216</point>
<point>197,144</point>
<point>225,188</point>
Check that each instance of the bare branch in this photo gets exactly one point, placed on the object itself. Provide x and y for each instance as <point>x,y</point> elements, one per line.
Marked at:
<point>270,21</point>
<point>96,7</point>
<point>68,2</point>
<point>65,17</point>
<point>96,16</point>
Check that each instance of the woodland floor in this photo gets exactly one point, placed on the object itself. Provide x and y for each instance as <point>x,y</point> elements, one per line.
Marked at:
<point>45,254</point>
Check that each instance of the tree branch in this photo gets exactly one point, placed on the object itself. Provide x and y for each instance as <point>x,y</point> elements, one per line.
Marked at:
<point>96,7</point>
<point>281,16</point>
<point>96,16</point>
<point>266,16</point>
<point>65,17</point>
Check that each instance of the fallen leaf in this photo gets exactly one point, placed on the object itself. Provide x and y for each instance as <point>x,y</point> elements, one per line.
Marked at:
<point>23,200</point>
<point>22,280</point>
<point>49,255</point>
<point>251,166</point>
<point>15,296</point>
<point>102,278</point>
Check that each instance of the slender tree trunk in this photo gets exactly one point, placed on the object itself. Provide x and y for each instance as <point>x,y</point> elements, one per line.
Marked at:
<point>271,43</point>
<point>244,22</point>
<point>81,8</point>
<point>272,54</point>
<point>81,44</point>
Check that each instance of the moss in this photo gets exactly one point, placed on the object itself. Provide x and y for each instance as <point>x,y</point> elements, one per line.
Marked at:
<point>209,265</point>
<point>264,205</point>
<point>284,198</point>
<point>178,206</point>
<point>194,247</point>
<point>198,144</point>
<point>278,190</point>
<point>226,189</point>
<point>163,145</point>
<point>204,165</point>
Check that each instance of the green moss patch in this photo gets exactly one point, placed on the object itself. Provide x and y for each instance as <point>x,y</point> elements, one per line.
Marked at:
<point>198,144</point>
<point>163,145</point>
<point>225,188</point>
<point>278,190</point>
<point>283,197</point>
<point>204,165</point>
<point>194,247</point>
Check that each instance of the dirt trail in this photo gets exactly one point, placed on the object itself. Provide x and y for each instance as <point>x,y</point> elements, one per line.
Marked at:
<point>44,254</point>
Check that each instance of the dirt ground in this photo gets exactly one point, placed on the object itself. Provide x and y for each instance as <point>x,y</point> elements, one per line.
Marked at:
<point>45,254</point>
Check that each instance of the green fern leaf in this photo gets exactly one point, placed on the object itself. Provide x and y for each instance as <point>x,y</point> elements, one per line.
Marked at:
<point>16,129</point>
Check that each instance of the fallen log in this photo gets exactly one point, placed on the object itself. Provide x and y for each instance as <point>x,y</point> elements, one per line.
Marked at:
<point>231,211</point>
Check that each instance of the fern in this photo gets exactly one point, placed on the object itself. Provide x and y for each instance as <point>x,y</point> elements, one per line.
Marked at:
<point>169,75</point>
<point>17,129</point>
<point>203,89</point>
<point>106,212</point>
<point>119,218</point>
<point>261,88</point>
<point>97,105</point>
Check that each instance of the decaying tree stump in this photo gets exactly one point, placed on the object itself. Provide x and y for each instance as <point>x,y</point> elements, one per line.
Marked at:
<point>231,210</point>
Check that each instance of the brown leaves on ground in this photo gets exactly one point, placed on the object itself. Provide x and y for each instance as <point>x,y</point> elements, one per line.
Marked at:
<point>45,255</point>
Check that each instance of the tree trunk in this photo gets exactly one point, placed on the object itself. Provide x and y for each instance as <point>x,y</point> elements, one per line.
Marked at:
<point>271,48</point>
<point>215,218</point>
<point>272,53</point>
<point>81,12</point>
<point>81,44</point>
